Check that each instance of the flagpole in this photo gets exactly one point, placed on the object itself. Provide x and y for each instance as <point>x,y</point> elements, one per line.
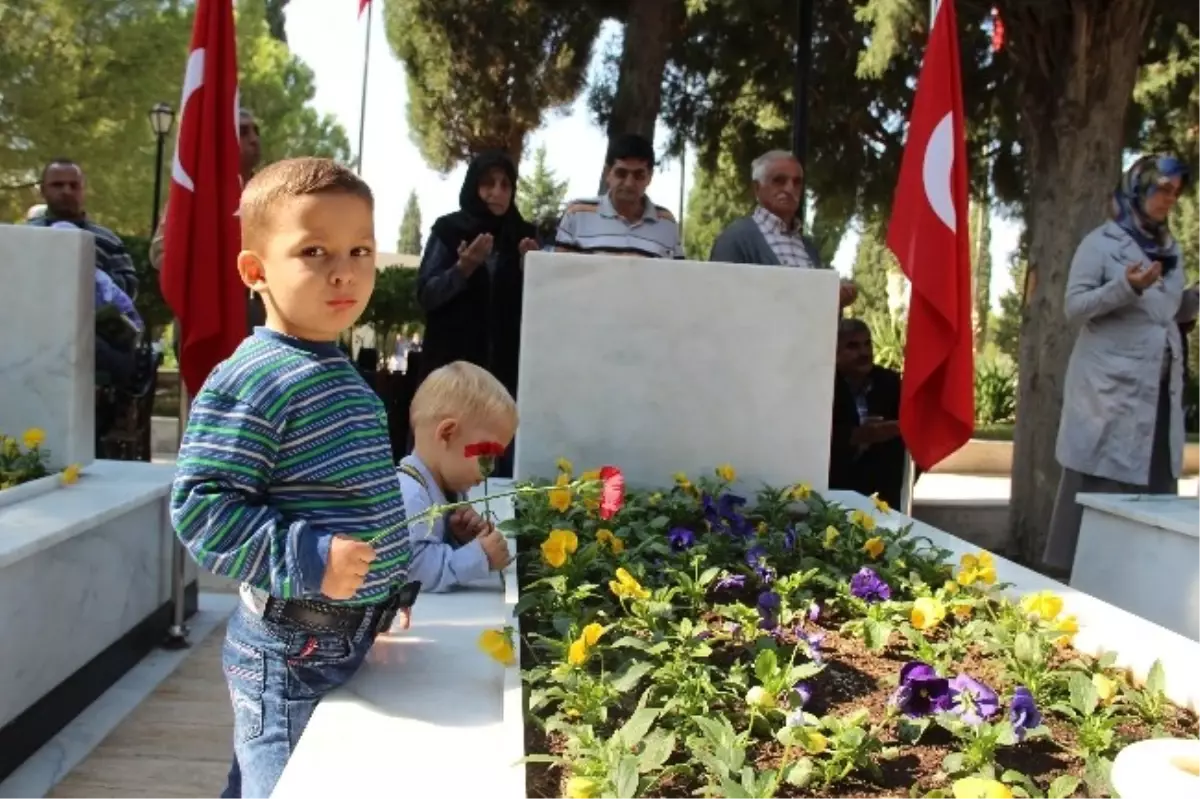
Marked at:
<point>362,113</point>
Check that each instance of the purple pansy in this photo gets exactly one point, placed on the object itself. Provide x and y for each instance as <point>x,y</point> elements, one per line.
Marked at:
<point>814,611</point>
<point>789,538</point>
<point>681,539</point>
<point>973,700</point>
<point>1023,712</point>
<point>769,603</point>
<point>921,691</point>
<point>731,582</point>
<point>869,587</point>
<point>802,694</point>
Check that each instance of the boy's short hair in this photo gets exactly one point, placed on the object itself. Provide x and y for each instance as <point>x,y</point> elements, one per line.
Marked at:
<point>461,389</point>
<point>294,177</point>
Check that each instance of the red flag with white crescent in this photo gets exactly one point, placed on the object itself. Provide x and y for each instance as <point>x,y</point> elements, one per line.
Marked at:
<point>928,233</point>
<point>362,6</point>
<point>199,277</point>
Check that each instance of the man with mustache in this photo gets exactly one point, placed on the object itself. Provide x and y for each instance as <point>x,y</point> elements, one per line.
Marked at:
<point>772,236</point>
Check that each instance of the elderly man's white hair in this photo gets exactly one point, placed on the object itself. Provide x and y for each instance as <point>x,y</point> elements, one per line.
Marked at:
<point>35,212</point>
<point>758,167</point>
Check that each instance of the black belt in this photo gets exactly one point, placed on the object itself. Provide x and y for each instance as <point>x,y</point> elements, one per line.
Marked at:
<point>323,617</point>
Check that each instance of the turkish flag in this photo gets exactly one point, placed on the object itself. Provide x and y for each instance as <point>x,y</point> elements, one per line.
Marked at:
<point>199,277</point>
<point>362,6</point>
<point>928,233</point>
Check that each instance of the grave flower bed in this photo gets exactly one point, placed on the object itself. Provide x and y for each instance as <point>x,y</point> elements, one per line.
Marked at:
<point>697,644</point>
<point>24,460</point>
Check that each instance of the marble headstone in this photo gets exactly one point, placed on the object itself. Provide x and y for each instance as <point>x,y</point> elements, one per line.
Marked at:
<point>667,366</point>
<point>47,363</point>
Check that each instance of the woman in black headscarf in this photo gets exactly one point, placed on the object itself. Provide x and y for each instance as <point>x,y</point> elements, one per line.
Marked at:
<point>470,278</point>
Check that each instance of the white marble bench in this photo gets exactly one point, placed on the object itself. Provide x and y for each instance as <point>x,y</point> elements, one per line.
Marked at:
<point>428,702</point>
<point>1142,553</point>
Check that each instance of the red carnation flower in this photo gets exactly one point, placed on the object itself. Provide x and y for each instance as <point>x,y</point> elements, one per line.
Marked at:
<point>612,491</point>
<point>484,449</point>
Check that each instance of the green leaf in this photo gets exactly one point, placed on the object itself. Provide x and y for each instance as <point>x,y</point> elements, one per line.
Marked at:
<point>636,726</point>
<point>708,575</point>
<point>804,671</point>
<point>1026,649</point>
<point>631,642</point>
<point>1156,679</point>
<point>1084,697</point>
<point>876,634</point>
<point>953,763</point>
<point>909,731</point>
<point>766,664</point>
<point>1097,772</point>
<point>528,600</point>
<point>800,773</point>
<point>1062,787</point>
<point>730,789</point>
<point>626,777</point>
<point>1106,660</point>
<point>658,748</point>
<point>632,676</point>
<point>659,523</point>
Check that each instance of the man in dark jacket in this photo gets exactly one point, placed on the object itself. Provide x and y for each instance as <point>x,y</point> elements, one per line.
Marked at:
<point>866,453</point>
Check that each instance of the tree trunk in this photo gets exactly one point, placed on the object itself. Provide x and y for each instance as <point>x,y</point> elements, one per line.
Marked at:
<point>1078,65</point>
<point>650,28</point>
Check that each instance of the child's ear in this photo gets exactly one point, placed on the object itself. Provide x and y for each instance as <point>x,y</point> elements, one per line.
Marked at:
<point>446,430</point>
<point>253,273</point>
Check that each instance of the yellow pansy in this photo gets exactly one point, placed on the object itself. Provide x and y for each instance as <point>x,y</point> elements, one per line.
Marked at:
<point>880,505</point>
<point>962,611</point>
<point>1045,605</point>
<point>582,788</point>
<point>760,698</point>
<point>498,644</point>
<point>1105,688</point>
<point>831,536</point>
<point>569,539</point>
<point>927,613</point>
<point>70,474</point>
<point>560,498</point>
<point>11,448</point>
<point>553,552</point>
<point>950,588</point>
<point>976,568</point>
<point>606,538</point>
<point>863,519</point>
<point>1068,625</point>
<point>654,499</point>
<point>762,528</point>
<point>874,547</point>
<point>726,472</point>
<point>33,437</point>
<point>800,491</point>
<point>979,788</point>
<point>577,653</point>
<point>813,742</point>
<point>565,466</point>
<point>591,633</point>
<point>590,476</point>
<point>626,587</point>
<point>681,478</point>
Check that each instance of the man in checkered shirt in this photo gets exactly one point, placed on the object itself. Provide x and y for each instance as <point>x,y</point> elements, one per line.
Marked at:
<point>771,235</point>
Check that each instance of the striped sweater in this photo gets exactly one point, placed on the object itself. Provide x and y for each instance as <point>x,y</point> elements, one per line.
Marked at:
<point>285,447</point>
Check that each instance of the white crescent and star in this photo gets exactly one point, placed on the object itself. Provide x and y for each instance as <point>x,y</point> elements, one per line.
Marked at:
<point>936,169</point>
<point>193,79</point>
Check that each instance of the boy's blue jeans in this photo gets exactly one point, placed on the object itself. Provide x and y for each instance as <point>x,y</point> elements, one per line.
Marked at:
<point>277,673</point>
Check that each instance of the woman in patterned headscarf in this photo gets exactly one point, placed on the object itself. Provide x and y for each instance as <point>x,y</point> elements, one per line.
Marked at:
<point>1122,422</point>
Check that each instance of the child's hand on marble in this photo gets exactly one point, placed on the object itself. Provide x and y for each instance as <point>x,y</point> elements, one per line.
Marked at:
<point>466,525</point>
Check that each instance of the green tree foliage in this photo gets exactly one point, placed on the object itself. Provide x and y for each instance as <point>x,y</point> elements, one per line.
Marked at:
<point>410,227</point>
<point>539,195</point>
<point>393,306</point>
<point>872,263</point>
<point>78,78</point>
<point>483,75</point>
<point>981,269</point>
<point>718,196</point>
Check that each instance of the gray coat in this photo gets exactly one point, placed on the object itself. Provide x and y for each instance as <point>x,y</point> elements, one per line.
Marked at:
<point>1110,397</point>
<point>743,243</point>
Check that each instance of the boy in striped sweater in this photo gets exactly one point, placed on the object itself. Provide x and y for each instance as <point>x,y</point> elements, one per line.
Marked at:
<point>455,407</point>
<point>285,476</point>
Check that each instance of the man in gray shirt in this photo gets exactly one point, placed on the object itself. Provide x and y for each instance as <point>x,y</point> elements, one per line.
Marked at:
<point>771,235</point>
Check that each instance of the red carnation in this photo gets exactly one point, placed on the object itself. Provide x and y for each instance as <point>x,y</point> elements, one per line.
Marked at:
<point>612,491</point>
<point>484,449</point>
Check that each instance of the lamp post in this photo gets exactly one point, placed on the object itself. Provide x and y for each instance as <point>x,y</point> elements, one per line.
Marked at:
<point>800,84</point>
<point>162,117</point>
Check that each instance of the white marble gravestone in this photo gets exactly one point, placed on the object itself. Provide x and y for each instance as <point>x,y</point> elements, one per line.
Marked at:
<point>47,363</point>
<point>666,366</point>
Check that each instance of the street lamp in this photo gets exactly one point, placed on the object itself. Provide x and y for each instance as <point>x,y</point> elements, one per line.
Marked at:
<point>162,117</point>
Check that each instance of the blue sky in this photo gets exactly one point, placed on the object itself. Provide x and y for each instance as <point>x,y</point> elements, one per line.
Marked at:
<point>331,42</point>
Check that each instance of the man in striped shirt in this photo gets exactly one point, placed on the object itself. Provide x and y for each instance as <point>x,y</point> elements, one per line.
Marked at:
<point>624,221</point>
<point>65,191</point>
<point>285,477</point>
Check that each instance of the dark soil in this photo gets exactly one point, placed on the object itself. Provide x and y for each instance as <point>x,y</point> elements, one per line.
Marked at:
<point>857,678</point>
